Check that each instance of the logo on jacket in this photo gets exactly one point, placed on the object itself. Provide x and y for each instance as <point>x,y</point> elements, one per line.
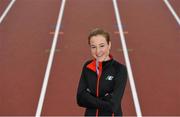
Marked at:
<point>109,77</point>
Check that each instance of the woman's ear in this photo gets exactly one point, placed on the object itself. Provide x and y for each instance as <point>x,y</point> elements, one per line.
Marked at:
<point>109,45</point>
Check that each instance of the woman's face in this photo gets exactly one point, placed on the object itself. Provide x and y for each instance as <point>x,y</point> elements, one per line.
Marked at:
<point>100,48</point>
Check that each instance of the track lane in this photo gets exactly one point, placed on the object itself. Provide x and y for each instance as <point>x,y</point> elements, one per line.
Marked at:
<point>153,34</point>
<point>79,18</point>
<point>24,40</point>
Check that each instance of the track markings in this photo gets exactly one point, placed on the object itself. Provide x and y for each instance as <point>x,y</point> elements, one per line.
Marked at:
<point>121,50</point>
<point>7,10</point>
<point>60,33</point>
<point>49,50</point>
<point>117,32</point>
<point>50,61</point>
<point>126,56</point>
<point>172,11</point>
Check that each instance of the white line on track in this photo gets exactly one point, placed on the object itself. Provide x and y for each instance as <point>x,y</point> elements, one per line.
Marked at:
<point>6,10</point>
<point>50,61</point>
<point>129,69</point>
<point>172,11</point>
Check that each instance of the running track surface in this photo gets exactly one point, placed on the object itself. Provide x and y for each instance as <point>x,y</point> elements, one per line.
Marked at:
<point>26,34</point>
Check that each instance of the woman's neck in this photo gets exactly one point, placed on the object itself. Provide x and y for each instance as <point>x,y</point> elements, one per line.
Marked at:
<point>107,58</point>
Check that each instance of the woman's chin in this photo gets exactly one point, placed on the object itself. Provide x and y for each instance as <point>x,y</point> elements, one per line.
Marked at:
<point>100,59</point>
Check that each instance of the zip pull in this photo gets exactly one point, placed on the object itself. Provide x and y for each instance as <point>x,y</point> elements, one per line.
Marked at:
<point>97,67</point>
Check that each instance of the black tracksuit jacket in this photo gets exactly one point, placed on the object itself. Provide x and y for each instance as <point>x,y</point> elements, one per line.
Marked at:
<point>101,93</point>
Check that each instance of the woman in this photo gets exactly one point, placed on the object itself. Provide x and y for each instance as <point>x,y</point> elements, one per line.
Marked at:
<point>103,79</point>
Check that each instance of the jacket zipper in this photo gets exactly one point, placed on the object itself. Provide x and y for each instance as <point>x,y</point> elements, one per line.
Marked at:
<point>97,86</point>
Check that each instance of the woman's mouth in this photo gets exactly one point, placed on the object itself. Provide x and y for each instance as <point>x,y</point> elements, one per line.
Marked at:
<point>99,55</point>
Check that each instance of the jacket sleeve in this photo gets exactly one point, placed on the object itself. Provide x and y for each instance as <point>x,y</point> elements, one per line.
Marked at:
<point>87,100</point>
<point>119,87</point>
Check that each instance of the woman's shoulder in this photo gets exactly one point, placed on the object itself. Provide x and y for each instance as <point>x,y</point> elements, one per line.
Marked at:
<point>86,63</point>
<point>118,65</point>
<point>120,69</point>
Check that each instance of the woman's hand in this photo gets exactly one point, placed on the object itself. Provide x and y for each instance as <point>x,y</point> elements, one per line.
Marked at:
<point>107,97</point>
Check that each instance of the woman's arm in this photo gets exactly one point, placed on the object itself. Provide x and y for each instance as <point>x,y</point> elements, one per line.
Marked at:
<point>86,99</point>
<point>119,87</point>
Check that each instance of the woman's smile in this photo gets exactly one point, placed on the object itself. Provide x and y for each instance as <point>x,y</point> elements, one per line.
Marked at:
<point>99,47</point>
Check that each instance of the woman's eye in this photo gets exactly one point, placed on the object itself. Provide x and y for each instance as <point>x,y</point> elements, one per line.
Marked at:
<point>102,46</point>
<point>93,47</point>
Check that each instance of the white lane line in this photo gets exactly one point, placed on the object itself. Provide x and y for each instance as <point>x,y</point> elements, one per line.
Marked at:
<point>6,10</point>
<point>129,69</point>
<point>172,11</point>
<point>50,61</point>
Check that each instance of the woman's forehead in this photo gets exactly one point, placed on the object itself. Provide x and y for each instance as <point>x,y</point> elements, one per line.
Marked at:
<point>98,39</point>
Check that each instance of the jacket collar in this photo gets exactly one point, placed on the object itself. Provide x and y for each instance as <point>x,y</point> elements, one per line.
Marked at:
<point>92,64</point>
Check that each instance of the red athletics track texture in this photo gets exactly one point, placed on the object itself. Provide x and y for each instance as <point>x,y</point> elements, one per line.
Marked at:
<point>24,40</point>
<point>152,37</point>
<point>175,4</point>
<point>3,5</point>
<point>153,34</point>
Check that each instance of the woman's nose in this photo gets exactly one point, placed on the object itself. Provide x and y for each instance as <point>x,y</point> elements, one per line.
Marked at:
<point>97,51</point>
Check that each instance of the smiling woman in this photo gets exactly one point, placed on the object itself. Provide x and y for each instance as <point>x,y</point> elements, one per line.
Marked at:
<point>103,79</point>
<point>100,44</point>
